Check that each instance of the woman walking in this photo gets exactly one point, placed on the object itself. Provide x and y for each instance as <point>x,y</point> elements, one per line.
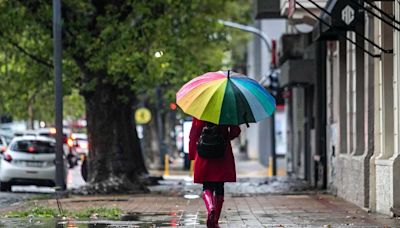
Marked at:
<point>213,172</point>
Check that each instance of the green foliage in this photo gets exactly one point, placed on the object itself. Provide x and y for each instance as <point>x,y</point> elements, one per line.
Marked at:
<point>109,47</point>
<point>100,212</point>
<point>35,211</point>
<point>74,105</point>
<point>118,39</point>
<point>39,211</point>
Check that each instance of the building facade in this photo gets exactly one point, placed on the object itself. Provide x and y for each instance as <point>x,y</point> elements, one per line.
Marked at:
<point>343,110</point>
<point>258,135</point>
<point>362,112</point>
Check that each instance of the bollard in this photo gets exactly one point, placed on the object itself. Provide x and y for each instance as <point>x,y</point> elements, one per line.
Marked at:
<point>191,168</point>
<point>166,165</point>
<point>270,167</point>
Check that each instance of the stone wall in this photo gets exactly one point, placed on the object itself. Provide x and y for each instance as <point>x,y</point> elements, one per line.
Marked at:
<point>350,179</point>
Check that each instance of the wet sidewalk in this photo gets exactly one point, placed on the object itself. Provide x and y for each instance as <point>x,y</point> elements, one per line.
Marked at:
<point>252,179</point>
<point>249,203</point>
<point>255,200</point>
<point>251,211</point>
<point>245,167</point>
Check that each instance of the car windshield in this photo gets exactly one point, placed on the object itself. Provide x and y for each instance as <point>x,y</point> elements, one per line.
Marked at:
<point>34,146</point>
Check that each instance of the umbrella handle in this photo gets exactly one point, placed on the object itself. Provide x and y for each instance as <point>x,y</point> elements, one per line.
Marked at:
<point>245,119</point>
<point>229,72</point>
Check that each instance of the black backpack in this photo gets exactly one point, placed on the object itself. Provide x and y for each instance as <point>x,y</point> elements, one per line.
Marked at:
<point>212,143</point>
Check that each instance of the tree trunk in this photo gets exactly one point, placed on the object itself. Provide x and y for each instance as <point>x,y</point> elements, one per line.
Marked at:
<point>150,148</point>
<point>30,115</point>
<point>115,159</point>
<point>169,140</point>
<point>31,112</point>
<point>158,160</point>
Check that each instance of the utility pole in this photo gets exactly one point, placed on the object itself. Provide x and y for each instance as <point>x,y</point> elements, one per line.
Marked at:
<point>60,181</point>
<point>160,127</point>
<point>274,89</point>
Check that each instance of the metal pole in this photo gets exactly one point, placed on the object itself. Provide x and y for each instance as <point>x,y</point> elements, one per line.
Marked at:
<point>273,150</point>
<point>250,29</point>
<point>60,181</point>
<point>160,127</point>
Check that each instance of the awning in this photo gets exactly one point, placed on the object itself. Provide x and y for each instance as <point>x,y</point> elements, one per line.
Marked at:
<point>268,9</point>
<point>337,18</point>
<point>296,72</point>
<point>340,15</point>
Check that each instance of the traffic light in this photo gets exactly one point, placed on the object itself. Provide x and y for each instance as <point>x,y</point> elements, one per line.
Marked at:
<point>172,106</point>
<point>273,82</point>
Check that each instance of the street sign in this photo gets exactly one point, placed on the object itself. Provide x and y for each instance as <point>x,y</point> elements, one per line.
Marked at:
<point>348,15</point>
<point>142,116</point>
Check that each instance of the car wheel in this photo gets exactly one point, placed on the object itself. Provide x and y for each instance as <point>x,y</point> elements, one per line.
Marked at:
<point>5,187</point>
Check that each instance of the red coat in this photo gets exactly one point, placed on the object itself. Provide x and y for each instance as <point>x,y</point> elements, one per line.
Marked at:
<point>213,170</point>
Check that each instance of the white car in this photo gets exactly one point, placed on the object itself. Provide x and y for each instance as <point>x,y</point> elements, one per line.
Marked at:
<point>29,160</point>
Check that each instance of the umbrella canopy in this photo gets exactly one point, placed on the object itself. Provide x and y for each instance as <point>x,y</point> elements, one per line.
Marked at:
<point>225,98</point>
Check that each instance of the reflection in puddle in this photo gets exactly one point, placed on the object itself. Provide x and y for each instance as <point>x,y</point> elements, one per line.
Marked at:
<point>170,219</point>
<point>190,196</point>
<point>163,219</point>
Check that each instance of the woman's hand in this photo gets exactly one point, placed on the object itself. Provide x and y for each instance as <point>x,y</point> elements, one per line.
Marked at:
<point>234,131</point>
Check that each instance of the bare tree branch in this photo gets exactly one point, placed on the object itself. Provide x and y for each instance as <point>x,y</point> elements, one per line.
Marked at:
<point>30,55</point>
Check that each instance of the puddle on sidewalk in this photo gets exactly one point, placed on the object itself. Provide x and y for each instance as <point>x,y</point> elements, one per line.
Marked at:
<point>144,220</point>
<point>25,223</point>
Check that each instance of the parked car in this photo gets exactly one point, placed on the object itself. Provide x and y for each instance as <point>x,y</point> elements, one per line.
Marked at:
<point>72,157</point>
<point>5,140</point>
<point>25,133</point>
<point>45,132</point>
<point>6,137</point>
<point>29,160</point>
<point>51,132</point>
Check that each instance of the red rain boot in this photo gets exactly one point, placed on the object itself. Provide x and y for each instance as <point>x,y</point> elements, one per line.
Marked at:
<point>218,202</point>
<point>208,200</point>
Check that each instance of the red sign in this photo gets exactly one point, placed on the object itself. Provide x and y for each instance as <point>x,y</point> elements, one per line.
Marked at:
<point>291,8</point>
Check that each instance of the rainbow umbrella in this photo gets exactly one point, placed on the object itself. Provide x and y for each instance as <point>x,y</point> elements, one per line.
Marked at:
<point>225,98</point>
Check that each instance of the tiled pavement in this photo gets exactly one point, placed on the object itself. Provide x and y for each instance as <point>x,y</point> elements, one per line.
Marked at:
<point>245,186</point>
<point>252,211</point>
<point>251,202</point>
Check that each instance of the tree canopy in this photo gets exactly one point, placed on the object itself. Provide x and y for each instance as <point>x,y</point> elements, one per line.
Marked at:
<point>113,51</point>
<point>120,36</point>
